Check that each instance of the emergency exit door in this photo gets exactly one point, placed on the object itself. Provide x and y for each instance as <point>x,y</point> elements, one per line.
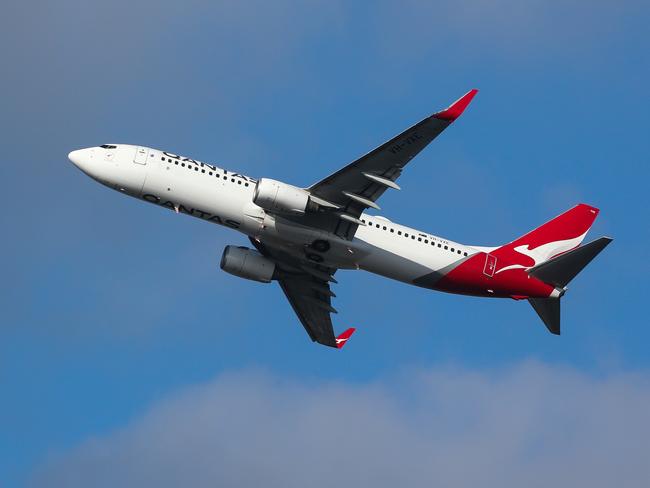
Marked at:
<point>490,265</point>
<point>141,154</point>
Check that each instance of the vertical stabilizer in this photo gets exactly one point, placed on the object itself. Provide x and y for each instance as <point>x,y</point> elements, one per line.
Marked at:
<point>558,235</point>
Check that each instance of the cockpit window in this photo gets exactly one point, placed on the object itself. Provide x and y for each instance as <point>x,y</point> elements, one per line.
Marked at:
<point>108,146</point>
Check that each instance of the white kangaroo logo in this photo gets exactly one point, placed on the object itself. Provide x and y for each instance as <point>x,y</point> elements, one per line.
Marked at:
<point>544,252</point>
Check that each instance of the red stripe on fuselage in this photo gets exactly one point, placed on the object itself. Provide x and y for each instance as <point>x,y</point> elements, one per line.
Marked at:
<point>504,270</point>
<point>470,278</point>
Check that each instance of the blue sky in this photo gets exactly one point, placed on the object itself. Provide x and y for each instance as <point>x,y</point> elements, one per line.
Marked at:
<point>119,333</point>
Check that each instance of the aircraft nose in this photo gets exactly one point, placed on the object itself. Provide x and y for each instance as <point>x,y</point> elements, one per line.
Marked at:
<point>83,159</point>
<point>76,157</point>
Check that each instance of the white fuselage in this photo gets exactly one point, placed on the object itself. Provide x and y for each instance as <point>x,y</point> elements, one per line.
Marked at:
<point>226,198</point>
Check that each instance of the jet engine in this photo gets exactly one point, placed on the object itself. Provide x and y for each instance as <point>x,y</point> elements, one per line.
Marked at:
<point>276,196</point>
<point>247,263</point>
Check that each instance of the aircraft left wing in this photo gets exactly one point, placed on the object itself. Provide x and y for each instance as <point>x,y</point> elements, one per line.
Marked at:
<point>345,194</point>
<point>306,286</point>
<point>312,307</point>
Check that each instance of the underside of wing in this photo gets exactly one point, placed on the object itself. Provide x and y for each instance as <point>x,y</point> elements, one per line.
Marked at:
<point>312,308</point>
<point>306,286</point>
<point>345,194</point>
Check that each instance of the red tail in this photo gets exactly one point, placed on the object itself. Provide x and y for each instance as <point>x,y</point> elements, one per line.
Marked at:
<point>561,234</point>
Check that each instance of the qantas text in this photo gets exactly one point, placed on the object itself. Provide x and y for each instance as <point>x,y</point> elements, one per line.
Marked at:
<point>190,211</point>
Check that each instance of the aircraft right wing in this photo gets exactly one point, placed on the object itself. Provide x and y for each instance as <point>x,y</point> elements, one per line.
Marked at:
<point>345,194</point>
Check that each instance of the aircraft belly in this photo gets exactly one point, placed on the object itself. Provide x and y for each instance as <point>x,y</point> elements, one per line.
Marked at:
<point>399,260</point>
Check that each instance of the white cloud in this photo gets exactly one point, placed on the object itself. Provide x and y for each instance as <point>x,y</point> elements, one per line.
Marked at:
<point>529,425</point>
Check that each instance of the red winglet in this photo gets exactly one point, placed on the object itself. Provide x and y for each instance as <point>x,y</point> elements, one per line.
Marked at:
<point>343,338</point>
<point>455,109</point>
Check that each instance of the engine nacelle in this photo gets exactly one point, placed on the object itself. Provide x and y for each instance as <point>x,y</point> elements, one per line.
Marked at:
<point>247,263</point>
<point>276,196</point>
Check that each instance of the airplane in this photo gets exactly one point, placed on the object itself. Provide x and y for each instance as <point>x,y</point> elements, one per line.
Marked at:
<point>302,236</point>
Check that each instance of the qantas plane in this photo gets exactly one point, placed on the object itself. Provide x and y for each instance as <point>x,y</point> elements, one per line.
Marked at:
<point>302,236</point>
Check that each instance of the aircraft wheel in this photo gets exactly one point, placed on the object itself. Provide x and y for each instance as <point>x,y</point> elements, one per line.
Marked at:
<point>320,245</point>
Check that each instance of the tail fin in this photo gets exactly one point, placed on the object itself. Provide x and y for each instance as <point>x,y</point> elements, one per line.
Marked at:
<point>563,268</point>
<point>561,234</point>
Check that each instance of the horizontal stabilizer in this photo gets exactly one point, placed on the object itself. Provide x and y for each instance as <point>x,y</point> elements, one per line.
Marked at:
<point>548,310</point>
<point>560,270</point>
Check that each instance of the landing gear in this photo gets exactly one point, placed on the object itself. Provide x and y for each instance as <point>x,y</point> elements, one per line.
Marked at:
<point>315,258</point>
<point>320,245</point>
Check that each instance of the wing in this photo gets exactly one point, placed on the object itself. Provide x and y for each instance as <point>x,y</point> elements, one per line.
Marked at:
<point>312,308</point>
<point>306,286</point>
<point>344,195</point>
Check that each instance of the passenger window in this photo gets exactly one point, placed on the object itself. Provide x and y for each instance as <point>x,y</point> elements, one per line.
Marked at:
<point>392,230</point>
<point>399,232</point>
<point>384,227</point>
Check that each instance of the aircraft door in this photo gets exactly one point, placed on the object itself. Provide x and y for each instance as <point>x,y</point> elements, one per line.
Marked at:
<point>490,265</point>
<point>141,154</point>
